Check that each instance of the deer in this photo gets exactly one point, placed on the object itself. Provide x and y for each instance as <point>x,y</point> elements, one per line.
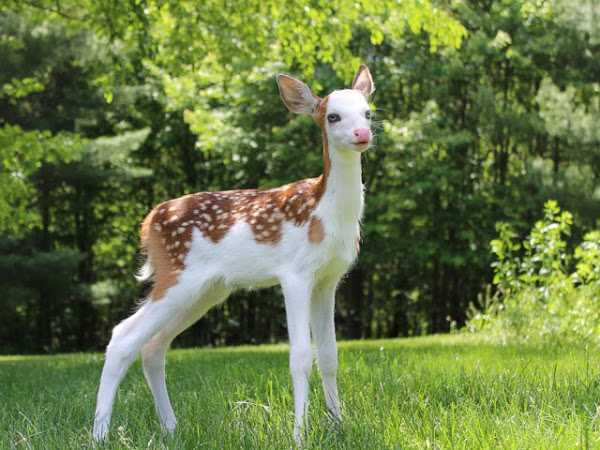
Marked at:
<point>303,236</point>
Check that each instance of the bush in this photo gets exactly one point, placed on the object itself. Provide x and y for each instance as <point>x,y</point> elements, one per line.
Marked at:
<point>544,291</point>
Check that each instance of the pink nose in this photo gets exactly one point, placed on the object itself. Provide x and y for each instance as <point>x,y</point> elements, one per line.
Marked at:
<point>362,134</point>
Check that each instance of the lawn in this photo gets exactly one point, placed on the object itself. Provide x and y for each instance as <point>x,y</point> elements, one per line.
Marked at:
<point>452,391</point>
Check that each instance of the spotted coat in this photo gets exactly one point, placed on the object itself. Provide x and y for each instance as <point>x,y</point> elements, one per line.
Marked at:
<point>214,213</point>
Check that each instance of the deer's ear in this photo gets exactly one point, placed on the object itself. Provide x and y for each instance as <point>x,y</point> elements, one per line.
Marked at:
<point>296,95</point>
<point>363,81</point>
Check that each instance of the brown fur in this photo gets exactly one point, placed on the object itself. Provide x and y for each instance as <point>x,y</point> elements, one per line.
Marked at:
<point>165,272</point>
<point>316,231</point>
<point>319,116</point>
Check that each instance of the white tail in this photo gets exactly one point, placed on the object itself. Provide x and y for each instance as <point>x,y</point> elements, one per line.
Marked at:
<point>303,236</point>
<point>145,272</point>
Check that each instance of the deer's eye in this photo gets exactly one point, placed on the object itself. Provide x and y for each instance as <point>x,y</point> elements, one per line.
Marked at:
<point>368,114</point>
<point>332,118</point>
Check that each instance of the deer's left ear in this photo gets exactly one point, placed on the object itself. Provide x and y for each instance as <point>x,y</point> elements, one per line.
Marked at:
<point>363,81</point>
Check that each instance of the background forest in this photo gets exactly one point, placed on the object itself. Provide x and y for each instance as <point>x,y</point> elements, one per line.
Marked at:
<point>485,110</point>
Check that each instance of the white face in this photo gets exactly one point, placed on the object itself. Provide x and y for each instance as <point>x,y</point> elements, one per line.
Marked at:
<point>348,120</point>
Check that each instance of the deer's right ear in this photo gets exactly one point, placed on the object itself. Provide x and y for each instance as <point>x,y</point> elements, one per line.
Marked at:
<point>296,95</point>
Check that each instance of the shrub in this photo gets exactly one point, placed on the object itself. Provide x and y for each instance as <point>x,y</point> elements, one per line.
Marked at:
<point>544,291</point>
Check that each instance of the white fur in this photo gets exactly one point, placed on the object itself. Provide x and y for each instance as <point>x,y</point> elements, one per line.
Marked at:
<point>351,105</point>
<point>145,272</point>
<point>307,272</point>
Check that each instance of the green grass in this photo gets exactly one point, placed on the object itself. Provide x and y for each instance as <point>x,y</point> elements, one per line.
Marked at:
<point>432,392</point>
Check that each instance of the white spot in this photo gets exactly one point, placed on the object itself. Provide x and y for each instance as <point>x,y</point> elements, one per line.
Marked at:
<point>259,227</point>
<point>172,208</point>
<point>174,233</point>
<point>173,219</point>
<point>266,234</point>
<point>180,230</point>
<point>196,211</point>
<point>180,257</point>
<point>157,227</point>
<point>161,211</point>
<point>215,207</point>
<point>222,226</point>
<point>188,244</point>
<point>176,244</point>
<point>212,227</point>
<point>207,217</point>
<point>274,228</point>
<point>311,201</point>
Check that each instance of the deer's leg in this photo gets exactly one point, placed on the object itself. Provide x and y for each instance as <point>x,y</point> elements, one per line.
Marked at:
<point>323,331</point>
<point>296,291</point>
<point>128,338</point>
<point>154,352</point>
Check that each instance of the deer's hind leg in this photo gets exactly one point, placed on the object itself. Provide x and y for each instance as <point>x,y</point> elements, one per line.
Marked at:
<point>130,335</point>
<point>154,352</point>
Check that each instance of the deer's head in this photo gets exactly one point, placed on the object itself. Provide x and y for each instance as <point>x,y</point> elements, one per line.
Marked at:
<point>344,115</point>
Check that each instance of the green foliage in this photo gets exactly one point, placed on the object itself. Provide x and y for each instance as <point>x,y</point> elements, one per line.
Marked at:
<point>538,296</point>
<point>567,116</point>
<point>582,14</point>
<point>545,250</point>
<point>484,110</point>
<point>22,153</point>
<point>16,88</point>
<point>40,286</point>
<point>588,259</point>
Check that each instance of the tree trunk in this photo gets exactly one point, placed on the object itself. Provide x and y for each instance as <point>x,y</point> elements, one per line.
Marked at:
<point>352,297</point>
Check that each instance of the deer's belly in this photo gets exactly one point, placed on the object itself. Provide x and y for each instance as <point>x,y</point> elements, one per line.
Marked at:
<point>242,262</point>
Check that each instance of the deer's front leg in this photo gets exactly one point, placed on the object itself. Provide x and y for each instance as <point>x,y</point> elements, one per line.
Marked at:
<point>323,330</point>
<point>296,291</point>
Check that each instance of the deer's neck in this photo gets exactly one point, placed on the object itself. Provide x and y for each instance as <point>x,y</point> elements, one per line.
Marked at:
<point>342,179</point>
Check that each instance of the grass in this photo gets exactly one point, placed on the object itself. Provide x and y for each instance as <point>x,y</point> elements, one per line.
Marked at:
<point>432,392</point>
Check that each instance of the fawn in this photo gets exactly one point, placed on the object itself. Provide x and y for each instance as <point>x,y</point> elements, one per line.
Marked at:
<point>303,236</point>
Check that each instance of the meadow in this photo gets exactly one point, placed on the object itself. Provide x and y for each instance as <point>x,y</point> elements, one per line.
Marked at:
<point>444,391</point>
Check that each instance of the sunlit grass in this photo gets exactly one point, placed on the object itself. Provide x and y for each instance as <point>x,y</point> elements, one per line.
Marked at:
<point>432,392</point>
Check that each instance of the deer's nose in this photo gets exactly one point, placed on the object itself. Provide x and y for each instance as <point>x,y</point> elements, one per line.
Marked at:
<point>362,134</point>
